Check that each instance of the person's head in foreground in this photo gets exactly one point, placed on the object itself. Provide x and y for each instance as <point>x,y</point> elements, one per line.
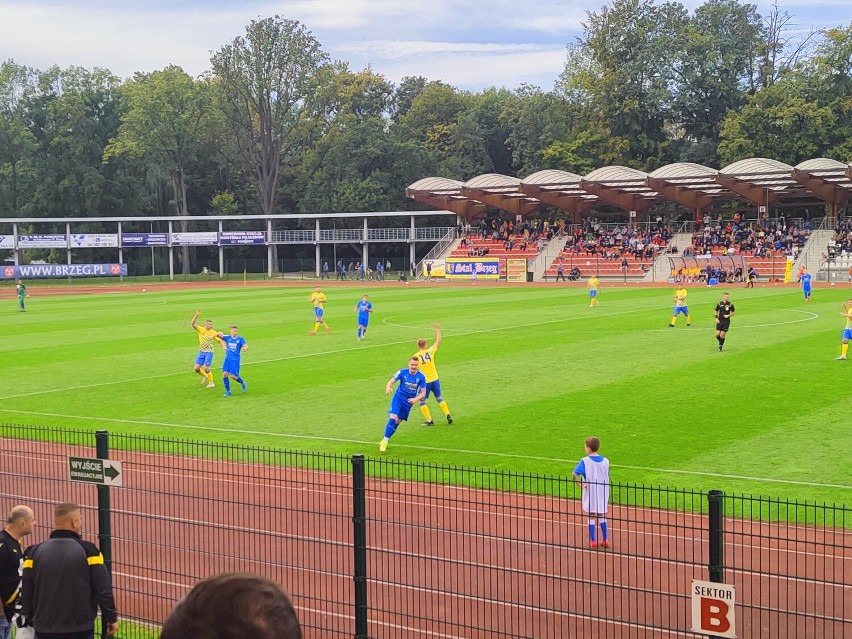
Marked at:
<point>233,606</point>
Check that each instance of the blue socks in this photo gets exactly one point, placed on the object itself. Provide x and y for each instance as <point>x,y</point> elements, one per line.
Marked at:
<point>604,533</point>
<point>227,382</point>
<point>390,428</point>
<point>593,531</point>
<point>359,333</point>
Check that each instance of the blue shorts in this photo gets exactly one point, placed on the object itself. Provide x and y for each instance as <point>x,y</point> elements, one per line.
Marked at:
<point>318,313</point>
<point>593,292</point>
<point>681,309</point>
<point>807,290</point>
<point>400,407</point>
<point>363,320</point>
<point>204,358</point>
<point>847,333</point>
<point>433,388</point>
<point>231,366</point>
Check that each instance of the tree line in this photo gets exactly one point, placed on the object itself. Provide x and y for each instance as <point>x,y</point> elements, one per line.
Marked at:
<point>277,126</point>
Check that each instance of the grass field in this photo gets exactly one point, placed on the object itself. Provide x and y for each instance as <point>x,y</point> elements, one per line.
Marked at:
<point>528,373</point>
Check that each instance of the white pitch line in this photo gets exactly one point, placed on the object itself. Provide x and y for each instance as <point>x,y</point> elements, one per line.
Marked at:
<point>340,440</point>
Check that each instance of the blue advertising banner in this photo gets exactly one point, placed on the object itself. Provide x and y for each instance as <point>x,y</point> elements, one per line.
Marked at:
<point>488,268</point>
<point>33,271</point>
<point>242,237</point>
<point>144,239</point>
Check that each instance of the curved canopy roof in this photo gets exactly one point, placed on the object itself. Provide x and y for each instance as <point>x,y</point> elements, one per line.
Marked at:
<point>761,181</point>
<point>443,193</point>
<point>829,179</point>
<point>500,191</point>
<point>560,189</point>
<point>622,186</point>
<point>693,185</point>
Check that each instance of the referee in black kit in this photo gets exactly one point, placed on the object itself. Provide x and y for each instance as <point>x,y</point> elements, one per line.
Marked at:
<point>723,312</point>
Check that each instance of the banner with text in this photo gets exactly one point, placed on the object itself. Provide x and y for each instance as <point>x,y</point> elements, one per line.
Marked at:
<point>94,240</point>
<point>487,268</point>
<point>242,237</point>
<point>7,241</point>
<point>42,241</point>
<point>32,271</point>
<point>198,238</point>
<point>144,239</point>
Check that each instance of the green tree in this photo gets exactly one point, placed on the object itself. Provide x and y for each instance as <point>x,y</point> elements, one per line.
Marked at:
<point>166,115</point>
<point>534,120</point>
<point>17,143</point>
<point>265,86</point>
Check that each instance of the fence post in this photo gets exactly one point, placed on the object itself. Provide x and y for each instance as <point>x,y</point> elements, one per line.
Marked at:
<point>359,526</point>
<point>717,531</point>
<point>104,528</point>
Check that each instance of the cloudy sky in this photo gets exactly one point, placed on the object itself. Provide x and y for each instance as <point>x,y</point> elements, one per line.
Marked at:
<point>471,45</point>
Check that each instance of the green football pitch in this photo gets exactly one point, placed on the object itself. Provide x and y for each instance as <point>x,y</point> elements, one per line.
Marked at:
<point>528,373</point>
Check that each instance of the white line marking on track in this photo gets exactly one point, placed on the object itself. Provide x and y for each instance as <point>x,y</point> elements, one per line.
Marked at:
<point>340,440</point>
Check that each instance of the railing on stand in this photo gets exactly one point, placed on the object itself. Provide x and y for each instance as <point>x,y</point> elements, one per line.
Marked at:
<point>444,241</point>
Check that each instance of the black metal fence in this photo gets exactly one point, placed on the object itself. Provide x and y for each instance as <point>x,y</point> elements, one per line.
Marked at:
<point>370,547</point>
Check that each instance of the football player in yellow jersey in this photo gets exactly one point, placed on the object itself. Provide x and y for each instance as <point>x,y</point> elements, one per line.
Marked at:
<point>207,337</point>
<point>318,298</point>
<point>433,384</point>
<point>847,332</point>
<point>593,286</point>
<point>680,306</point>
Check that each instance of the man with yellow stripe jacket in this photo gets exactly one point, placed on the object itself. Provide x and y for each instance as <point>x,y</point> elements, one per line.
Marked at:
<point>65,581</point>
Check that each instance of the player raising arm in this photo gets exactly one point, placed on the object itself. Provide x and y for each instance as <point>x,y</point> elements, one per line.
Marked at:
<point>426,357</point>
<point>206,338</point>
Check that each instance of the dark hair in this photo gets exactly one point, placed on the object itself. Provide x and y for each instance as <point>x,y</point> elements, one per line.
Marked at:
<point>593,443</point>
<point>233,606</point>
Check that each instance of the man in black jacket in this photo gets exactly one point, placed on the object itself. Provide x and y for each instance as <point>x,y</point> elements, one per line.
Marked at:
<point>19,524</point>
<point>65,581</point>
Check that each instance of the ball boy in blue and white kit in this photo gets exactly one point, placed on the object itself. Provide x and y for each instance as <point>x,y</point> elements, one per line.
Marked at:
<point>234,346</point>
<point>363,308</point>
<point>411,389</point>
<point>592,473</point>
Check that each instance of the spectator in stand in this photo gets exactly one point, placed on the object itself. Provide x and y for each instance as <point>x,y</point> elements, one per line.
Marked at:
<point>233,606</point>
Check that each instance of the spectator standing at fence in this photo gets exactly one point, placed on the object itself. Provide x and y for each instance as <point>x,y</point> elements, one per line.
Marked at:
<point>680,306</point>
<point>560,271</point>
<point>380,271</point>
<point>593,286</point>
<point>592,474</point>
<point>19,524</point>
<point>847,332</point>
<point>324,273</point>
<point>723,312</point>
<point>233,606</point>
<point>21,289</point>
<point>65,581</point>
<point>411,389</point>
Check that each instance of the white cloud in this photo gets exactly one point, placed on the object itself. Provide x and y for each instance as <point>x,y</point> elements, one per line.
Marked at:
<point>467,44</point>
